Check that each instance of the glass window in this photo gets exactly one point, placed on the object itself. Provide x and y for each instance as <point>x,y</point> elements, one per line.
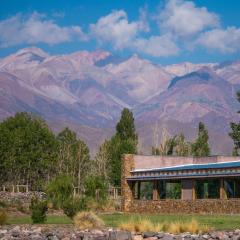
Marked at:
<point>170,189</point>
<point>207,188</point>
<point>231,187</point>
<point>146,190</point>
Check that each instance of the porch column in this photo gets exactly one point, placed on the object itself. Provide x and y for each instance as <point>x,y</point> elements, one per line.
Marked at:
<point>155,190</point>
<point>223,194</point>
<point>127,187</point>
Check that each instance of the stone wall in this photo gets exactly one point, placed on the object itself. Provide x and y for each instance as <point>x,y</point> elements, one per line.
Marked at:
<point>200,206</point>
<point>127,166</point>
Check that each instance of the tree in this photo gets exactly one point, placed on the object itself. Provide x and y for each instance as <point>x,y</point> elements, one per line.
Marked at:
<point>102,160</point>
<point>125,128</point>
<point>235,133</point>
<point>27,150</point>
<point>74,157</point>
<point>182,148</point>
<point>200,147</point>
<point>124,141</point>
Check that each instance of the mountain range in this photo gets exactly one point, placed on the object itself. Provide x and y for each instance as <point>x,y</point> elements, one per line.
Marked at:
<point>87,91</point>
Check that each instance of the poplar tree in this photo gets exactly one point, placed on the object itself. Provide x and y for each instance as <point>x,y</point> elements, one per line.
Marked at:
<point>235,133</point>
<point>200,148</point>
<point>124,141</point>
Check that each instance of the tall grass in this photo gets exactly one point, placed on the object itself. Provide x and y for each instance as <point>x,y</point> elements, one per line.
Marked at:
<point>145,225</point>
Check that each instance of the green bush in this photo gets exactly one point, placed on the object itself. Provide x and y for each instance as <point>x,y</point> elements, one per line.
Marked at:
<point>3,217</point>
<point>96,188</point>
<point>59,190</point>
<point>39,210</point>
<point>3,204</point>
<point>72,206</point>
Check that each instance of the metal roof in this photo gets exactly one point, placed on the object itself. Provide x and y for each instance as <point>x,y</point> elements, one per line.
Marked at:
<point>193,167</point>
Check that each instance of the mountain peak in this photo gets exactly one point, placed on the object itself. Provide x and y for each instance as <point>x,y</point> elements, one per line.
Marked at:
<point>32,50</point>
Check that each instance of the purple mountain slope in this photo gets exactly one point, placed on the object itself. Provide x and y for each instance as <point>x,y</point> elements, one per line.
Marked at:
<point>88,90</point>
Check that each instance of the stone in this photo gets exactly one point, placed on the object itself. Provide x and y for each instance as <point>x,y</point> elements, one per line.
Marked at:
<point>160,235</point>
<point>205,236</point>
<point>137,237</point>
<point>236,237</point>
<point>149,234</point>
<point>119,235</point>
<point>167,237</point>
<point>237,232</point>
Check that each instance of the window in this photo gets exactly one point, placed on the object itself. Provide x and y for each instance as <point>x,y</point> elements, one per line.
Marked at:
<point>143,190</point>
<point>207,188</point>
<point>170,189</point>
<point>231,187</point>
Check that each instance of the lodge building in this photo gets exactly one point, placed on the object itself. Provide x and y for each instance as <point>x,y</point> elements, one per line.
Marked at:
<point>168,184</point>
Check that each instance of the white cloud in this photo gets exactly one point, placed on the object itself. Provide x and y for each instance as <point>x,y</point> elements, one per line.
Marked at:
<point>116,29</point>
<point>36,29</point>
<point>223,40</point>
<point>183,18</point>
<point>157,46</point>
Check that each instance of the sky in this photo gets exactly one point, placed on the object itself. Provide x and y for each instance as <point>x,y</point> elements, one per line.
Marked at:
<point>163,31</point>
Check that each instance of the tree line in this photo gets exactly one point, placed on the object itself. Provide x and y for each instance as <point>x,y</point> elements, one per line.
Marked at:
<point>30,153</point>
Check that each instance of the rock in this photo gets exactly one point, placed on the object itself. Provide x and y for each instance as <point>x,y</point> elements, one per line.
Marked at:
<point>138,237</point>
<point>37,237</point>
<point>149,234</point>
<point>119,235</point>
<point>15,232</point>
<point>205,236</point>
<point>167,237</point>
<point>237,232</point>
<point>160,235</point>
<point>151,238</point>
<point>236,237</point>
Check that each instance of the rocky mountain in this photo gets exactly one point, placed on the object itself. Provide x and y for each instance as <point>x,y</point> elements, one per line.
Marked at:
<point>87,91</point>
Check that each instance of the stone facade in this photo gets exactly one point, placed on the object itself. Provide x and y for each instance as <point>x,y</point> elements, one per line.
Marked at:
<point>200,206</point>
<point>127,166</point>
<point>187,205</point>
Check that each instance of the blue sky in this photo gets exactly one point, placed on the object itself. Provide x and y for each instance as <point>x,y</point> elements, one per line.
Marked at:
<point>165,32</point>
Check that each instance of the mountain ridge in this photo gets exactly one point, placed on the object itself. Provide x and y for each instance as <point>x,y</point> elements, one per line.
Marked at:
<point>91,88</point>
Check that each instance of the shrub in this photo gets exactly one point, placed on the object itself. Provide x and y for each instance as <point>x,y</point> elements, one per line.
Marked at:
<point>59,190</point>
<point>3,217</point>
<point>72,206</point>
<point>96,188</point>
<point>3,204</point>
<point>87,220</point>
<point>39,209</point>
<point>143,225</point>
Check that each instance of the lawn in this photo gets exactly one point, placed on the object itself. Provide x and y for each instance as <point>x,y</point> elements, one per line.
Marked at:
<point>218,222</point>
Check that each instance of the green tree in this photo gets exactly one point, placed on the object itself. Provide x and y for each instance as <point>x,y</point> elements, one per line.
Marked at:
<point>235,133</point>
<point>124,141</point>
<point>182,148</point>
<point>200,148</point>
<point>27,150</point>
<point>59,190</point>
<point>74,157</point>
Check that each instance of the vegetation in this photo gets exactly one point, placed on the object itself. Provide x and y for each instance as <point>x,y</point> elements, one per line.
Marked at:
<point>27,150</point>
<point>200,147</point>
<point>146,225</point>
<point>74,205</point>
<point>59,190</point>
<point>87,220</point>
<point>3,216</point>
<point>235,133</point>
<point>124,141</point>
<point>39,210</point>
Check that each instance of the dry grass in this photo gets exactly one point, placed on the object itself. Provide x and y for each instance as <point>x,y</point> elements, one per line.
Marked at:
<point>145,225</point>
<point>3,217</point>
<point>87,220</point>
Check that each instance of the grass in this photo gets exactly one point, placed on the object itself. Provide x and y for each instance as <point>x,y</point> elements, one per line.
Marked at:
<point>218,222</point>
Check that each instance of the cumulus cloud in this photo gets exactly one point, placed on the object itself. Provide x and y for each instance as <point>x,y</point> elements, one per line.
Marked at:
<point>115,28</point>
<point>224,40</point>
<point>183,18</point>
<point>34,29</point>
<point>157,46</point>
